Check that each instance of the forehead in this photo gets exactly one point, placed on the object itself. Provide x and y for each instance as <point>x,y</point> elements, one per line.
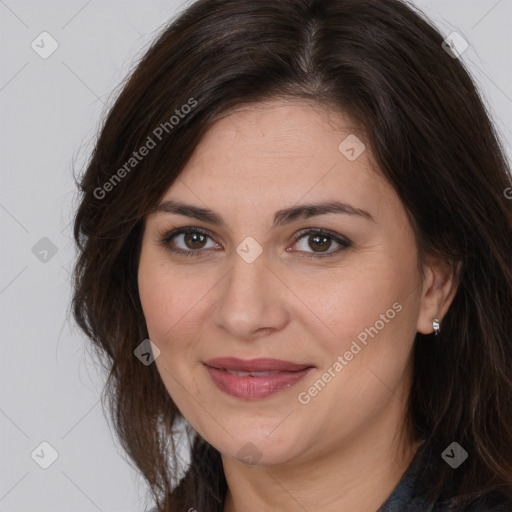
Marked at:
<point>265,156</point>
<point>278,129</point>
<point>279,140</point>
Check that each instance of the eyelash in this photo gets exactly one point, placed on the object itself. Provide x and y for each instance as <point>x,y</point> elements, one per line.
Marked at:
<point>165,240</point>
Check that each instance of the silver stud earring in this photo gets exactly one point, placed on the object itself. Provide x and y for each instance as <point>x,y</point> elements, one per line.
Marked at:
<point>436,324</point>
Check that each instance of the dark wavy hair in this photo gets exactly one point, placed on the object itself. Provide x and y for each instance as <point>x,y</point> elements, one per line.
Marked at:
<point>381,62</point>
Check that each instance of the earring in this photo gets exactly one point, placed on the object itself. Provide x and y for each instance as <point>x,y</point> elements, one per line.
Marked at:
<point>436,324</point>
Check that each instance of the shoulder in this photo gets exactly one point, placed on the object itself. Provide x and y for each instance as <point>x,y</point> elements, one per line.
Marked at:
<point>410,495</point>
<point>491,502</point>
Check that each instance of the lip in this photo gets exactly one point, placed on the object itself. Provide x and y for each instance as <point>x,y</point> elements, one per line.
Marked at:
<point>255,365</point>
<point>285,374</point>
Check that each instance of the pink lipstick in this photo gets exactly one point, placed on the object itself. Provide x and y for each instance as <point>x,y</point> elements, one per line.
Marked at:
<point>254,378</point>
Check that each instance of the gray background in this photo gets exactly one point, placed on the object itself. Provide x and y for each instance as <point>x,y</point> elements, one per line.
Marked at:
<point>50,112</point>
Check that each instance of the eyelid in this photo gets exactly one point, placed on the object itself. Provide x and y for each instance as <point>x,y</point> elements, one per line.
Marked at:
<point>165,238</point>
<point>341,240</point>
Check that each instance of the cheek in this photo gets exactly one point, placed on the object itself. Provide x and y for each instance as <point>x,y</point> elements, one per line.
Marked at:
<point>167,300</point>
<point>372,311</point>
<point>376,297</point>
<point>156,299</point>
<point>168,307</point>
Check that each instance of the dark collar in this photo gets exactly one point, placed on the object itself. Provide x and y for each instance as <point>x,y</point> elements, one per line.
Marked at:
<point>407,495</point>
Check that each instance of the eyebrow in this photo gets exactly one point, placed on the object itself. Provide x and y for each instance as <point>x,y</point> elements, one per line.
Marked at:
<point>281,217</point>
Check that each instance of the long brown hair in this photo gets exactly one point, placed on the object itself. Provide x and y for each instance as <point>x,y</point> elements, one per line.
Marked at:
<point>383,64</point>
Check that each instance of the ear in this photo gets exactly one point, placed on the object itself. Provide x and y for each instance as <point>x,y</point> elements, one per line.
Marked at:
<point>439,288</point>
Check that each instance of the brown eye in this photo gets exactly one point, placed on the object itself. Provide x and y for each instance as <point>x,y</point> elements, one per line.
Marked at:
<point>194,240</point>
<point>188,241</point>
<point>316,243</point>
<point>320,242</point>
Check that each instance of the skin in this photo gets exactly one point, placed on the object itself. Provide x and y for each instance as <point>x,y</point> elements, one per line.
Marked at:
<point>346,443</point>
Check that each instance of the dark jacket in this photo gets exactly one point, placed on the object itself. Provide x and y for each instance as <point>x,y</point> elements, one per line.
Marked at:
<point>409,494</point>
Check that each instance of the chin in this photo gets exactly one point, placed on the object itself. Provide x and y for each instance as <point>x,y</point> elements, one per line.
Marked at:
<point>260,449</point>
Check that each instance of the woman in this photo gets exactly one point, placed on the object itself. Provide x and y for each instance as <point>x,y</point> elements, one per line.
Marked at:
<point>298,211</point>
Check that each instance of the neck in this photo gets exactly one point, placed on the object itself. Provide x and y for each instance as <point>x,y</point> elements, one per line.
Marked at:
<point>359,475</point>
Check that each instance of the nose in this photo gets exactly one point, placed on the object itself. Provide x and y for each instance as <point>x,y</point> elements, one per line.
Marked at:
<point>252,301</point>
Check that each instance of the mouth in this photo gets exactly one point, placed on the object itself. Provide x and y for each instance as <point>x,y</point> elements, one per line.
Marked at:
<point>255,378</point>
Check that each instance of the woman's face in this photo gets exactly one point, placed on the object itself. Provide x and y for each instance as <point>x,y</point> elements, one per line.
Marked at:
<point>343,306</point>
